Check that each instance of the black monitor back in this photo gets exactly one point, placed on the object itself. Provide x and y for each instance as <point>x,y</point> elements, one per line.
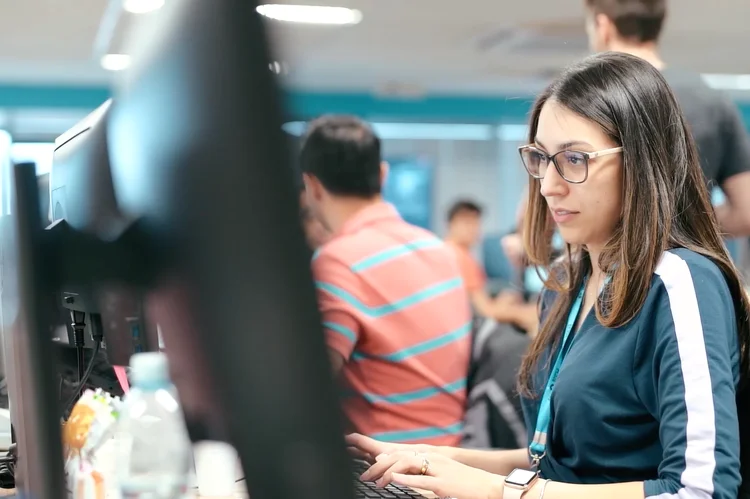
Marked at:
<point>81,191</point>
<point>211,236</point>
<point>199,158</point>
<point>81,194</point>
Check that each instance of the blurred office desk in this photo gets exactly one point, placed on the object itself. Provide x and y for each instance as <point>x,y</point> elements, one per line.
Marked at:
<point>240,492</point>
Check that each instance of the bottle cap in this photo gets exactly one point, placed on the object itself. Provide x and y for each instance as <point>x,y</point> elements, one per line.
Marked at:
<point>150,368</point>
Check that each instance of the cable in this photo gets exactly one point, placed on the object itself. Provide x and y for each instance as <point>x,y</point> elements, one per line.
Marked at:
<point>89,369</point>
<point>78,323</point>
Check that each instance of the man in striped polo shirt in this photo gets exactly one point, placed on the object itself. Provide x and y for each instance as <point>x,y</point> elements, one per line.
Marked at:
<point>395,311</point>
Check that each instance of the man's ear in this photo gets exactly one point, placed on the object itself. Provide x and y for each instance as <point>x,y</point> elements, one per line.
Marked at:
<point>606,29</point>
<point>312,186</point>
<point>384,169</point>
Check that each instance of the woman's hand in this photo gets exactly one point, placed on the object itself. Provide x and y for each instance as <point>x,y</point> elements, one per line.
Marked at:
<point>368,449</point>
<point>435,473</point>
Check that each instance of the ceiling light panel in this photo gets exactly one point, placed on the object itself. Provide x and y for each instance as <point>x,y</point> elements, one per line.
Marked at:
<point>311,14</point>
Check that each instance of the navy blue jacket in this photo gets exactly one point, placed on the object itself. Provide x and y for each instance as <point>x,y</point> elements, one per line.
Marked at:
<point>654,400</point>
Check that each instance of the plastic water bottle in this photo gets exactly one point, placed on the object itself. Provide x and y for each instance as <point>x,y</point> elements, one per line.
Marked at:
<point>154,452</point>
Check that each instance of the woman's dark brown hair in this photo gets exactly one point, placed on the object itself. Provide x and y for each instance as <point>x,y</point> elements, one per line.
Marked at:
<point>665,200</point>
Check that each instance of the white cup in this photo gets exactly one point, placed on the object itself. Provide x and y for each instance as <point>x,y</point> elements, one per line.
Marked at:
<point>215,469</point>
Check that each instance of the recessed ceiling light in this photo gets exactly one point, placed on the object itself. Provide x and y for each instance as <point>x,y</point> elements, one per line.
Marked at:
<point>115,62</point>
<point>142,6</point>
<point>310,14</point>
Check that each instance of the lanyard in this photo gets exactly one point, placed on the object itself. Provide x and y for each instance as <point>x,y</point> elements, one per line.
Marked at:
<point>538,447</point>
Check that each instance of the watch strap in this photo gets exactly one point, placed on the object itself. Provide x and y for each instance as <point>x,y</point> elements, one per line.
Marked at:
<point>512,493</point>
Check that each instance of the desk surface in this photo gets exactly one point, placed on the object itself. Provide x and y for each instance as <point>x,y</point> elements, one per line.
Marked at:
<point>241,492</point>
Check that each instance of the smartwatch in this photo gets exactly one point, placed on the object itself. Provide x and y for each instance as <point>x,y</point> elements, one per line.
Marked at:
<point>518,482</point>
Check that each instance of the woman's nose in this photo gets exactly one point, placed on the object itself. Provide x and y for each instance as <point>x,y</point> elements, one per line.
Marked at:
<point>553,184</point>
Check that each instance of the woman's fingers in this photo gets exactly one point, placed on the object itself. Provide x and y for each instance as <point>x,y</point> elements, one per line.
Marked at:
<point>404,462</point>
<point>412,465</point>
<point>365,444</point>
<point>382,463</point>
<point>358,453</point>
<point>422,482</point>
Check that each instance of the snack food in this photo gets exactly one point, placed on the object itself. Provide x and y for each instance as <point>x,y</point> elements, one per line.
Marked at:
<point>85,435</point>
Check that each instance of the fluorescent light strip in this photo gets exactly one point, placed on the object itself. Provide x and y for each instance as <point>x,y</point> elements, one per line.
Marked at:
<point>115,62</point>
<point>415,131</point>
<point>310,14</point>
<point>142,6</point>
<point>727,81</point>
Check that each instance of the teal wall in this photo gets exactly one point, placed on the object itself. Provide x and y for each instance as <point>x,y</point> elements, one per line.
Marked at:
<point>16,96</point>
<point>444,108</point>
<point>303,105</point>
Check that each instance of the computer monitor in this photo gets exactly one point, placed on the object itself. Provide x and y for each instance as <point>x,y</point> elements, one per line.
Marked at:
<point>81,194</point>
<point>211,235</point>
<point>70,362</point>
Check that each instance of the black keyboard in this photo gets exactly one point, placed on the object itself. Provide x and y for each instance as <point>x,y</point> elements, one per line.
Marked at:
<point>368,490</point>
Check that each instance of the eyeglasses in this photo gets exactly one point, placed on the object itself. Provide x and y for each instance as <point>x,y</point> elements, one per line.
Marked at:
<point>573,166</point>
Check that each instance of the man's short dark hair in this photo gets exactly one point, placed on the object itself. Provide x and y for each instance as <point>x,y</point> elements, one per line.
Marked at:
<point>637,20</point>
<point>464,206</point>
<point>343,153</point>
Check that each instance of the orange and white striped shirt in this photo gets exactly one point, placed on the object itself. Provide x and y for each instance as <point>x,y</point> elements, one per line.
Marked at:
<point>395,307</point>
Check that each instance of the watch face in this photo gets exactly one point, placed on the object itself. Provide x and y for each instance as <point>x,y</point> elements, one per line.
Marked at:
<point>520,477</point>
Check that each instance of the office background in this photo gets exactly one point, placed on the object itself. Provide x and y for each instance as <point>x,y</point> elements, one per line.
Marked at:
<point>442,147</point>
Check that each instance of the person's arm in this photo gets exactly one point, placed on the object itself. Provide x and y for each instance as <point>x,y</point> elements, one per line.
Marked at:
<point>526,317</point>
<point>734,175</point>
<point>336,285</point>
<point>734,214</point>
<point>494,461</point>
<point>508,307</point>
<point>559,490</point>
<point>448,477</point>
<point>499,462</point>
<point>483,303</point>
<point>504,308</point>
<point>685,376</point>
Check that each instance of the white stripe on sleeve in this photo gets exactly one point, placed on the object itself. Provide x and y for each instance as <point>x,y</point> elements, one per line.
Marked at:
<point>700,461</point>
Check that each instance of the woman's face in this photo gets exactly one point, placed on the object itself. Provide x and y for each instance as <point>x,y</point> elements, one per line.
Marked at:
<point>586,213</point>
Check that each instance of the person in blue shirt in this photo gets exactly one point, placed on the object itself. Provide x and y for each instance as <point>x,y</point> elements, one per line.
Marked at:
<point>634,385</point>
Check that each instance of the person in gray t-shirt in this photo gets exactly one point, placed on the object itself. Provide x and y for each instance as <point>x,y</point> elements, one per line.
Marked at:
<point>633,26</point>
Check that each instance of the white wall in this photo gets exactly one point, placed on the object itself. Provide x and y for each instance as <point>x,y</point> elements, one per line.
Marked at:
<point>486,171</point>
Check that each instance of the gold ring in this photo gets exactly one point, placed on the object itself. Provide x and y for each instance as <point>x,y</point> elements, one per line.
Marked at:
<point>425,466</point>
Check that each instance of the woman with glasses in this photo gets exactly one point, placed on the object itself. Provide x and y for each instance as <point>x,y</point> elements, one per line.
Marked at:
<point>631,388</point>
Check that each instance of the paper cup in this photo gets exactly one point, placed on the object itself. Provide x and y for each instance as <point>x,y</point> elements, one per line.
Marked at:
<point>215,469</point>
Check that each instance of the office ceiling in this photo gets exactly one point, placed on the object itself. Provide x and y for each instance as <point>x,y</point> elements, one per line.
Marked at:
<point>401,46</point>
<point>49,41</point>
